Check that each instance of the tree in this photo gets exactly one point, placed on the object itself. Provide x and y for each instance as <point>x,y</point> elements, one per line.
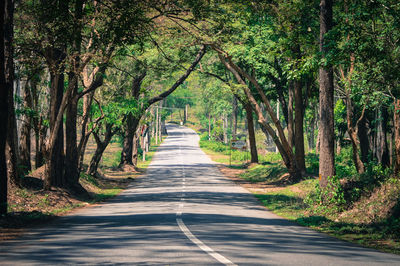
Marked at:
<point>326,101</point>
<point>4,91</point>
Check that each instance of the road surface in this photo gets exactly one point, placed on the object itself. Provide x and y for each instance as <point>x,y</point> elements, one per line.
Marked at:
<point>183,212</point>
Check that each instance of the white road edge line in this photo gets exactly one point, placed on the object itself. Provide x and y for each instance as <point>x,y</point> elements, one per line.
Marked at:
<point>201,245</point>
<point>189,234</point>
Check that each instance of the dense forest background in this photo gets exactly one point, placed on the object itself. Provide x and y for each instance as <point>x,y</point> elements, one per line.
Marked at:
<point>308,81</point>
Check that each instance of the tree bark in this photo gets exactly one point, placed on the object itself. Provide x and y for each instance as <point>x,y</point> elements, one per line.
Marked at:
<point>71,151</point>
<point>290,126</point>
<point>25,138</point>
<point>101,146</point>
<point>383,155</point>
<point>127,149</point>
<point>4,91</point>
<point>311,132</point>
<point>55,152</point>
<point>85,132</point>
<point>362,134</point>
<point>234,117</point>
<point>396,123</point>
<point>12,139</point>
<point>326,100</point>
<point>280,140</point>
<point>225,127</point>
<point>132,123</point>
<point>299,126</point>
<point>252,136</point>
<point>353,131</point>
<point>135,154</point>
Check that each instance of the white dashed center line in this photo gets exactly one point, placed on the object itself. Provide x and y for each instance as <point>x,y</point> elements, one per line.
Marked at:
<point>186,230</point>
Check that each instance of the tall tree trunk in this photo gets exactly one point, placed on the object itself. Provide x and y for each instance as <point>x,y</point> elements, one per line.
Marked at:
<point>40,137</point>
<point>12,139</point>
<point>132,123</point>
<point>396,124</point>
<point>252,136</point>
<point>234,117</point>
<point>25,139</point>
<point>87,103</point>
<point>385,160</point>
<point>299,127</point>
<point>326,100</point>
<point>311,133</point>
<point>225,128</point>
<point>4,91</point>
<point>71,151</point>
<point>290,126</point>
<point>135,147</point>
<point>55,154</point>
<point>127,148</point>
<point>362,134</point>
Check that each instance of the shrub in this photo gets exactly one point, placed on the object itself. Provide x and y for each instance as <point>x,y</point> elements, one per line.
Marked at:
<point>329,199</point>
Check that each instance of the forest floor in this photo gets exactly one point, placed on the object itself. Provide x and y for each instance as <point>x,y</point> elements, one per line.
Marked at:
<point>30,206</point>
<point>358,224</point>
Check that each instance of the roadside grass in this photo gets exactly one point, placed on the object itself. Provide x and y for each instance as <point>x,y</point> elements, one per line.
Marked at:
<point>30,205</point>
<point>266,182</point>
<point>288,203</point>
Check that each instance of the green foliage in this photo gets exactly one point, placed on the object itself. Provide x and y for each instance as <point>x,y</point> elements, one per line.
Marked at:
<point>217,133</point>
<point>344,164</point>
<point>261,173</point>
<point>330,199</point>
<point>312,163</point>
<point>215,146</point>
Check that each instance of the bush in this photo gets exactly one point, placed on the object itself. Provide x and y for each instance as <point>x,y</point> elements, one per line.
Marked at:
<point>312,163</point>
<point>344,164</point>
<point>329,199</point>
<point>214,146</point>
<point>204,136</point>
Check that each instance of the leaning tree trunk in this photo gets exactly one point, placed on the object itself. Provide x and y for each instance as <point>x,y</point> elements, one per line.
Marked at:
<point>353,133</point>
<point>252,136</point>
<point>326,100</point>
<point>280,140</point>
<point>299,127</point>
<point>101,146</point>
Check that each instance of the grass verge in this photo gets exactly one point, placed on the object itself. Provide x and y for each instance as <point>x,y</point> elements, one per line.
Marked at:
<point>287,200</point>
<point>30,206</point>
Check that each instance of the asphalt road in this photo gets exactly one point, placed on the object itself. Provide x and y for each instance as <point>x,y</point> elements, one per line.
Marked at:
<point>183,212</point>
